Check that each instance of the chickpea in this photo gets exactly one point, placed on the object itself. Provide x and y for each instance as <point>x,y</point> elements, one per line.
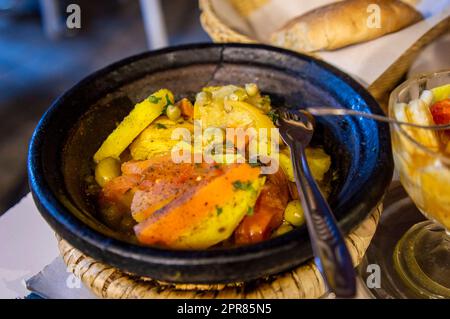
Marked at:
<point>293,213</point>
<point>252,89</point>
<point>173,112</point>
<point>106,170</point>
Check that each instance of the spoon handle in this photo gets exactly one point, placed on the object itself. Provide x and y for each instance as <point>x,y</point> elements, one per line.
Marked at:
<point>330,251</point>
<point>328,111</point>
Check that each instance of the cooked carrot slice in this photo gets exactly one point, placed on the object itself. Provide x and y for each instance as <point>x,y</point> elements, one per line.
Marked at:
<point>195,219</point>
<point>187,109</point>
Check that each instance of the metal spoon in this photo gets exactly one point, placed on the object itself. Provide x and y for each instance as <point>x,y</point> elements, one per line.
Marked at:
<point>330,251</point>
<point>323,111</point>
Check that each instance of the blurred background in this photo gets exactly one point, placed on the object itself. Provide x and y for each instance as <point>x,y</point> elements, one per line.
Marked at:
<point>40,58</point>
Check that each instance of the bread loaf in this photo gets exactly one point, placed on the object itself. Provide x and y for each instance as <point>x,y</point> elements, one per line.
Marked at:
<point>344,23</point>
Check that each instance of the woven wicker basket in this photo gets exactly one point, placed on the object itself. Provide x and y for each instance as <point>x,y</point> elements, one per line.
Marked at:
<point>219,31</point>
<point>303,282</point>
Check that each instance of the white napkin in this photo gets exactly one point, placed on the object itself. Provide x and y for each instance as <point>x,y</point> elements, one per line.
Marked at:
<point>367,61</point>
<point>55,282</point>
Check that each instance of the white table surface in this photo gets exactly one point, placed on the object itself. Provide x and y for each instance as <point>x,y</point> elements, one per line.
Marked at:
<point>27,245</point>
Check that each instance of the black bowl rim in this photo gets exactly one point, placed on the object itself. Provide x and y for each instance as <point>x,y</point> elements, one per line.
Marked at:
<point>71,228</point>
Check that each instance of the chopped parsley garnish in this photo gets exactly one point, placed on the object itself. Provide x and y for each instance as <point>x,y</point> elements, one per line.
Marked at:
<point>161,126</point>
<point>250,211</point>
<point>168,102</point>
<point>154,99</point>
<point>219,210</point>
<point>245,186</point>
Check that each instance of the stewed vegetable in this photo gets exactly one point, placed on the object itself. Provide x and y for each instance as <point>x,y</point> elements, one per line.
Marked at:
<point>187,183</point>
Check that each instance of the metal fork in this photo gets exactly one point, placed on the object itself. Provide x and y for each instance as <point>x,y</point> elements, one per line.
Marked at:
<point>331,254</point>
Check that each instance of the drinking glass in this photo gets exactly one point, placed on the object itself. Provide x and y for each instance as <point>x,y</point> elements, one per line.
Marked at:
<point>422,256</point>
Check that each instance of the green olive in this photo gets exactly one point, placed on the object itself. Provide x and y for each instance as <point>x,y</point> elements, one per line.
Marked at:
<point>293,213</point>
<point>106,170</point>
<point>111,216</point>
<point>283,229</point>
<point>252,89</point>
<point>173,112</point>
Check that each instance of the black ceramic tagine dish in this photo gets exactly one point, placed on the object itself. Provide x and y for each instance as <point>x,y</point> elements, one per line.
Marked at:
<point>61,150</point>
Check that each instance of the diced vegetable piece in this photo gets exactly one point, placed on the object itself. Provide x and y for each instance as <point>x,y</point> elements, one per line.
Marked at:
<point>258,118</point>
<point>238,114</point>
<point>434,185</point>
<point>319,163</point>
<point>400,115</point>
<point>219,93</point>
<point>207,214</point>
<point>418,112</point>
<point>441,93</point>
<point>156,139</point>
<point>294,214</point>
<point>252,89</point>
<point>286,165</point>
<point>106,170</point>
<point>441,115</point>
<point>223,110</point>
<point>250,94</point>
<point>283,229</point>
<point>441,111</point>
<point>267,214</point>
<point>187,109</point>
<point>427,97</point>
<point>203,98</point>
<point>134,123</point>
<point>119,192</point>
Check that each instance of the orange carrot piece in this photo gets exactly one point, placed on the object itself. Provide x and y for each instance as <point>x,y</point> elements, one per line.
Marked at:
<point>165,226</point>
<point>187,109</point>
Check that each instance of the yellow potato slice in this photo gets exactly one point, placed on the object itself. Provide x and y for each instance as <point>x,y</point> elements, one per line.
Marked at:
<point>133,124</point>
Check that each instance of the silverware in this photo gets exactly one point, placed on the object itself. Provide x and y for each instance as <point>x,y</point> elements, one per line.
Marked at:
<point>323,111</point>
<point>331,254</point>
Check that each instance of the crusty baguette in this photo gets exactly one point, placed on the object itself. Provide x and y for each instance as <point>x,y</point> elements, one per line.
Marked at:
<point>343,23</point>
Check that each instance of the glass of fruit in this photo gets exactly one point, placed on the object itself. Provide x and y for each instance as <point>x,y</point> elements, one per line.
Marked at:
<point>422,160</point>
